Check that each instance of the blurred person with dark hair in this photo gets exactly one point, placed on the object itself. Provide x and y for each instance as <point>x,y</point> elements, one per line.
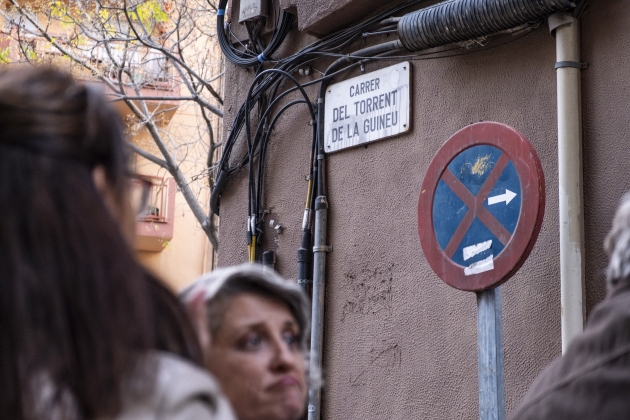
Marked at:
<point>254,327</point>
<point>592,379</point>
<point>85,331</point>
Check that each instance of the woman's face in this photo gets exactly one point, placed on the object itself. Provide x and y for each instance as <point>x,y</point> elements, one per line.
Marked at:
<point>256,357</point>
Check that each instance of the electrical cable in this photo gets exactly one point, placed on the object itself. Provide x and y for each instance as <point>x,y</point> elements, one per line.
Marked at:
<point>247,58</point>
<point>263,91</point>
<point>253,214</point>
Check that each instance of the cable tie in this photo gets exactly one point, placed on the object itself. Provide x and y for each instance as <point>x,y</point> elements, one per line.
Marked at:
<point>221,12</point>
<point>323,248</point>
<point>573,64</point>
<point>262,57</point>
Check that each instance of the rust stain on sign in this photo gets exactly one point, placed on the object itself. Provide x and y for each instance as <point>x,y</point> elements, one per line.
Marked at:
<point>481,165</point>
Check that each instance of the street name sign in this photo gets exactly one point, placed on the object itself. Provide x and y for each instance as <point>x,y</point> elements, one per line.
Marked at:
<point>481,206</point>
<point>367,108</point>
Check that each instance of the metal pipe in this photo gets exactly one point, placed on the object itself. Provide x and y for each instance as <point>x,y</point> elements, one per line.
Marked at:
<point>490,355</point>
<point>319,276</point>
<point>570,176</point>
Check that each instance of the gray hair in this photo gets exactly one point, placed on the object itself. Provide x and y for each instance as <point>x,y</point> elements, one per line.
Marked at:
<point>221,285</point>
<point>617,245</point>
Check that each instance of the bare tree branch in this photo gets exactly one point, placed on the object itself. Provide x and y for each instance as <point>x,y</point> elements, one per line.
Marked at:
<point>148,156</point>
<point>143,62</point>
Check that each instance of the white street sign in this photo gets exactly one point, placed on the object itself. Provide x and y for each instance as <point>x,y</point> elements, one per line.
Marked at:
<point>367,108</point>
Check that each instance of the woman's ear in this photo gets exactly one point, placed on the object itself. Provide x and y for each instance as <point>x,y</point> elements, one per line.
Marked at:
<point>100,180</point>
<point>119,208</point>
<point>99,176</point>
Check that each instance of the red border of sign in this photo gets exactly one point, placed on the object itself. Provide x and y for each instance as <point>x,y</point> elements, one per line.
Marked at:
<point>516,251</point>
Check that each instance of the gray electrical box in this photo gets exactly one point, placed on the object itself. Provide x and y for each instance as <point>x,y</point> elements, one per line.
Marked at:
<point>250,9</point>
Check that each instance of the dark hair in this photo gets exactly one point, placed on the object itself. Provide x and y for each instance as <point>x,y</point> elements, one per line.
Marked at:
<point>76,309</point>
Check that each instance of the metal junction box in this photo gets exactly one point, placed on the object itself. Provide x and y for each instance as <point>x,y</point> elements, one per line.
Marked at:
<point>250,9</point>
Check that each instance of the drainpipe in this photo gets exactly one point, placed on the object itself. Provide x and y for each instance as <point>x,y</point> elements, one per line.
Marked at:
<point>568,70</point>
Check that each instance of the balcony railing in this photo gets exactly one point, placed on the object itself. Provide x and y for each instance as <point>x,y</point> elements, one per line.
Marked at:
<point>154,228</point>
<point>157,205</point>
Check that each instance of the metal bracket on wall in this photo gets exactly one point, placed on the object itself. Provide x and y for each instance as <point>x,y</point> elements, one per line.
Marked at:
<point>324,248</point>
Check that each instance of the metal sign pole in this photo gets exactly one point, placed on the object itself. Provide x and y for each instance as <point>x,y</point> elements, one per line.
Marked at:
<point>480,209</point>
<point>490,355</point>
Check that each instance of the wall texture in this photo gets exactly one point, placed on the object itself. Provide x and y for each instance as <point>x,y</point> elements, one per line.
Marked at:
<point>399,343</point>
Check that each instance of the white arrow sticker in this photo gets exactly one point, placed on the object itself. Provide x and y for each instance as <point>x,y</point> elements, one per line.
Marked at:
<point>507,197</point>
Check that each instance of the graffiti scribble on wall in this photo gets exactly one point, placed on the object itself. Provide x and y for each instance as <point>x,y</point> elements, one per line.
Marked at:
<point>369,291</point>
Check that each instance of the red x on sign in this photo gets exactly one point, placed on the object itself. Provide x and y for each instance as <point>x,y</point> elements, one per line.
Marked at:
<point>476,207</point>
<point>445,230</point>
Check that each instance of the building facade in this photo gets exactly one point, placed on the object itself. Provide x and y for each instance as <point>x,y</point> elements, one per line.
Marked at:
<point>398,342</point>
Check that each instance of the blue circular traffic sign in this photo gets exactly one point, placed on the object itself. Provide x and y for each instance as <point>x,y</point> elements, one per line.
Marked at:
<point>481,206</point>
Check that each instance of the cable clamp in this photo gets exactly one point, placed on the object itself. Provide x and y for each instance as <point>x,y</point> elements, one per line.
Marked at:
<point>262,57</point>
<point>311,122</point>
<point>320,157</point>
<point>304,281</point>
<point>323,248</point>
<point>572,64</point>
<point>320,100</point>
<point>221,12</point>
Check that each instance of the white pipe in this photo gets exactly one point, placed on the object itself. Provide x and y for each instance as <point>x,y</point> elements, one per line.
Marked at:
<point>570,177</point>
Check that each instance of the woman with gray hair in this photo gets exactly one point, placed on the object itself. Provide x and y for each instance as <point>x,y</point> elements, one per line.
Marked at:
<point>253,326</point>
<point>592,379</point>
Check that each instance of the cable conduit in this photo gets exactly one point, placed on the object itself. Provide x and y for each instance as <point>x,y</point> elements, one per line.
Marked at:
<point>461,20</point>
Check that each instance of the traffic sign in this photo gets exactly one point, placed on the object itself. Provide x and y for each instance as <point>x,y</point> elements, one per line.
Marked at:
<point>481,206</point>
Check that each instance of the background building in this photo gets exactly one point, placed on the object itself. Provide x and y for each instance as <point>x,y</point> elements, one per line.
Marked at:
<point>99,46</point>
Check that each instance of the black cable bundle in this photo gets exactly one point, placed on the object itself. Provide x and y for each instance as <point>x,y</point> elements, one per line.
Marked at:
<point>438,20</point>
<point>245,58</point>
<point>270,84</point>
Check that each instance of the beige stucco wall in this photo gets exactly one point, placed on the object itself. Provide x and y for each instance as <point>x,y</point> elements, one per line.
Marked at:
<point>189,253</point>
<point>400,344</point>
